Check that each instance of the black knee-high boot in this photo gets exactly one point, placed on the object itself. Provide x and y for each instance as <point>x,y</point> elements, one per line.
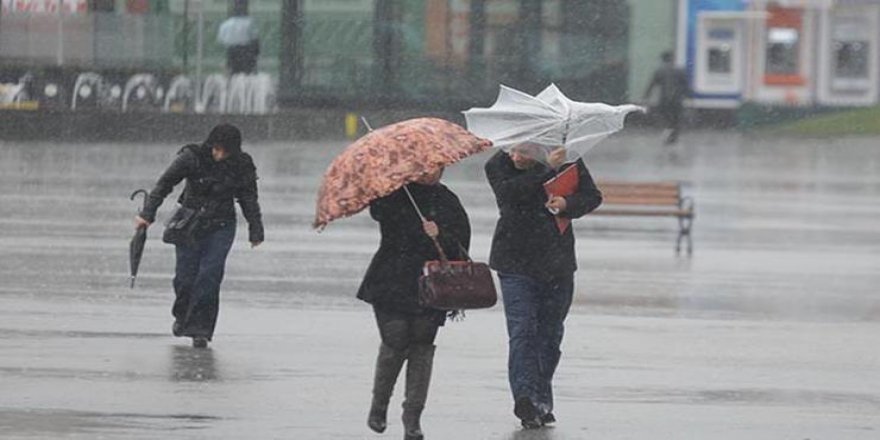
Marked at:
<point>388,365</point>
<point>420,360</point>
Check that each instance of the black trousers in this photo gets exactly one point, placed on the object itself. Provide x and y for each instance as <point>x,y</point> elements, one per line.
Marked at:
<point>400,330</point>
<point>242,59</point>
<point>671,113</point>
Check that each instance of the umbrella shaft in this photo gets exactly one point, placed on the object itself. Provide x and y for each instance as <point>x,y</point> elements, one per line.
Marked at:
<point>422,218</point>
<point>413,201</point>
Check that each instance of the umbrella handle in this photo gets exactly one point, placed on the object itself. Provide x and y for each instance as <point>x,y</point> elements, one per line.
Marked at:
<point>139,191</point>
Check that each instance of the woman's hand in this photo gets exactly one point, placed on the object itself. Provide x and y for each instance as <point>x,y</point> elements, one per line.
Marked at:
<point>431,228</point>
<point>139,222</point>
<point>556,158</point>
<point>556,204</point>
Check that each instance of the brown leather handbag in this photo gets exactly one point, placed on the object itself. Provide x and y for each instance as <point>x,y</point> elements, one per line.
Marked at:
<point>456,285</point>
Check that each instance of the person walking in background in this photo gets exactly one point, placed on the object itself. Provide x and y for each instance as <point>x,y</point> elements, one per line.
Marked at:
<point>672,83</point>
<point>407,330</point>
<point>535,264</point>
<point>241,38</point>
<point>217,173</point>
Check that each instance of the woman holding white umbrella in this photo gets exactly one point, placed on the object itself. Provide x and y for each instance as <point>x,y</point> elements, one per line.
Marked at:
<point>533,246</point>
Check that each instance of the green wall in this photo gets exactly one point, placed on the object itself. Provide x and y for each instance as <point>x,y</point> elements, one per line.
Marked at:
<point>652,31</point>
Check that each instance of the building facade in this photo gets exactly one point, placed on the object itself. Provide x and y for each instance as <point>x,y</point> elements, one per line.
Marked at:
<point>783,52</point>
<point>445,53</point>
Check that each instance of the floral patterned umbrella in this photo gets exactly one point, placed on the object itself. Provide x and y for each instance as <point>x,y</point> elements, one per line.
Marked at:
<point>388,158</point>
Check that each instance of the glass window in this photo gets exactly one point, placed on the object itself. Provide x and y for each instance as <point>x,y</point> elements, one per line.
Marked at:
<point>720,61</point>
<point>435,50</point>
<point>783,45</point>
<point>851,59</point>
<point>851,47</point>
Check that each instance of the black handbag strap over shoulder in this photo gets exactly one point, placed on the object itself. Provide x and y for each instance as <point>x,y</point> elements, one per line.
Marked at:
<point>200,167</point>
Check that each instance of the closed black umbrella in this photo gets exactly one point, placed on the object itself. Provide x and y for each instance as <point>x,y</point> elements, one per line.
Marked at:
<point>136,247</point>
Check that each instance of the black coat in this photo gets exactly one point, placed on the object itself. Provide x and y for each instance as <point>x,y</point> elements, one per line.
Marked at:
<point>527,240</point>
<point>391,280</point>
<point>673,84</point>
<point>213,185</point>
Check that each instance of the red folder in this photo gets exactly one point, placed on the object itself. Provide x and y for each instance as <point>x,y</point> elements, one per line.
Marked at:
<point>563,184</point>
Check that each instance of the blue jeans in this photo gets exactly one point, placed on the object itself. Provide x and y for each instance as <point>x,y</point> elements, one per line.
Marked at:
<point>535,311</point>
<point>197,278</point>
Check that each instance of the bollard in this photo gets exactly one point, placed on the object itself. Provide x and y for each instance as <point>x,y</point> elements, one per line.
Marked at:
<point>351,125</point>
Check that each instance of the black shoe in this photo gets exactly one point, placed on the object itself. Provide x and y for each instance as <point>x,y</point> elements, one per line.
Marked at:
<point>412,428</point>
<point>548,419</point>
<point>177,328</point>
<point>532,423</point>
<point>200,342</point>
<point>377,420</point>
<point>527,413</point>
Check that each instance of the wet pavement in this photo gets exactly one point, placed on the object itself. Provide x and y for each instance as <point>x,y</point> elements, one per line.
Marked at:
<point>770,330</point>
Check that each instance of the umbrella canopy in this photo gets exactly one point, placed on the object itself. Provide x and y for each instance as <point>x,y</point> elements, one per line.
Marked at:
<point>136,246</point>
<point>546,121</point>
<point>388,158</point>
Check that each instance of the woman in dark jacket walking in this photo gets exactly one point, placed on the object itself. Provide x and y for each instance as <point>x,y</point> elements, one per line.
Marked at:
<point>217,173</point>
<point>406,328</point>
<point>536,265</point>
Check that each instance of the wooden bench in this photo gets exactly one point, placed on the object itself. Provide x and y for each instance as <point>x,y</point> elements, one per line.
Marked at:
<point>649,199</point>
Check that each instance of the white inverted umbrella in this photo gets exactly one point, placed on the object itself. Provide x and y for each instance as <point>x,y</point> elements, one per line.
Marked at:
<point>546,122</point>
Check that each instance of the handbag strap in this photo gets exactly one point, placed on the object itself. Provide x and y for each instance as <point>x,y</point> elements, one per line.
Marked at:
<point>464,251</point>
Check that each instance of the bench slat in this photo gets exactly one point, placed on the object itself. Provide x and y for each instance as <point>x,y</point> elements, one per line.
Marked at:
<point>621,194</point>
<point>648,199</point>
<point>669,186</point>
<point>641,200</point>
<point>644,194</point>
<point>640,183</point>
<point>643,213</point>
<point>635,187</point>
<point>648,191</point>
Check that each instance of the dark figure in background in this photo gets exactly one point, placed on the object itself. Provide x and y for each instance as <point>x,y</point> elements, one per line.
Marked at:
<point>407,329</point>
<point>673,84</point>
<point>536,265</point>
<point>217,173</point>
<point>240,36</point>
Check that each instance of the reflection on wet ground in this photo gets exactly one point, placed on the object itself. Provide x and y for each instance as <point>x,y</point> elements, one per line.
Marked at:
<point>547,433</point>
<point>803,397</point>
<point>193,364</point>
<point>769,331</point>
<point>46,423</point>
